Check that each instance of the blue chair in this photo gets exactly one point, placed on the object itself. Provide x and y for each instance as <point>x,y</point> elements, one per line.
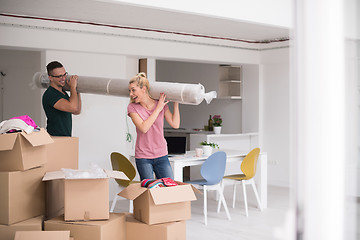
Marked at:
<point>212,171</point>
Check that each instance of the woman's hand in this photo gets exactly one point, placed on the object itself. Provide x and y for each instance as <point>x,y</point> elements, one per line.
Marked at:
<point>162,101</point>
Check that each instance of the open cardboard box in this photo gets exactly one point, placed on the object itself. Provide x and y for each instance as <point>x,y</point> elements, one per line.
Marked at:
<point>85,198</point>
<point>42,235</point>
<point>21,151</point>
<point>161,205</point>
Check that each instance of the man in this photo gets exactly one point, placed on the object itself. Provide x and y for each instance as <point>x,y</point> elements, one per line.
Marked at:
<point>57,104</point>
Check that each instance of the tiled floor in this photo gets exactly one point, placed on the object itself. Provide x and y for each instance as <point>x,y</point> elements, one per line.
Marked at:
<point>265,225</point>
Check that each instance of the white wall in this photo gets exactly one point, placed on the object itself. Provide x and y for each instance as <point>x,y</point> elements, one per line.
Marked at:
<point>250,98</point>
<point>19,97</point>
<point>275,113</point>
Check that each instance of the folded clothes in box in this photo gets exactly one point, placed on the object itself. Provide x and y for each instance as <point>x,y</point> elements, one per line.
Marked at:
<point>21,151</point>
<point>161,205</point>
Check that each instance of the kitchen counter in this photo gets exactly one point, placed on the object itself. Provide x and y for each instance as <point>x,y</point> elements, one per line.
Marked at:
<point>186,131</point>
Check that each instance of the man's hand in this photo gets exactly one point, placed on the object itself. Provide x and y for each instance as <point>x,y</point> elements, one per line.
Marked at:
<point>72,82</point>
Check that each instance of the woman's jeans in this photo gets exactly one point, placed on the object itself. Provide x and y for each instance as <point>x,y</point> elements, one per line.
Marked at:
<point>161,166</point>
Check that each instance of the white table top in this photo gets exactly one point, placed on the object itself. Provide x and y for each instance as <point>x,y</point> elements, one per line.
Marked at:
<point>190,155</point>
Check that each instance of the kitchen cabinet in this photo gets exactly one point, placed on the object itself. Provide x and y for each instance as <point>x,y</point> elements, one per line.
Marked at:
<point>230,82</point>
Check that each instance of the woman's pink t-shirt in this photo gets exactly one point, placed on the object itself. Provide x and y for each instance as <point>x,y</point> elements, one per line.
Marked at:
<point>151,144</point>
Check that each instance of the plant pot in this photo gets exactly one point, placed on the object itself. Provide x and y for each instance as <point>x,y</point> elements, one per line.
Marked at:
<point>207,150</point>
<point>217,130</point>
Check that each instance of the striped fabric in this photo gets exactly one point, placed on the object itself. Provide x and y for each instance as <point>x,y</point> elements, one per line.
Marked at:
<point>163,182</point>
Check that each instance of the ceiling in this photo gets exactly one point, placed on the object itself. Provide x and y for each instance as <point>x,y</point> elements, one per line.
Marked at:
<point>122,14</point>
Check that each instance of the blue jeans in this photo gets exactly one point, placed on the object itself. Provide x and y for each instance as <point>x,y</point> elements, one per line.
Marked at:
<point>161,166</point>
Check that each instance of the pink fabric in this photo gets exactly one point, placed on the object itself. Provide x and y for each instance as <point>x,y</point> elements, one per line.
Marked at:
<point>151,144</point>
<point>28,120</point>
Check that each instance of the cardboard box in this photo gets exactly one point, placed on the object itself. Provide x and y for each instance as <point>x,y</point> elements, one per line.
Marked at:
<point>22,195</point>
<point>42,235</point>
<point>161,205</point>
<point>136,230</point>
<point>7,232</point>
<point>63,153</point>
<point>85,199</point>
<point>112,229</point>
<point>20,151</point>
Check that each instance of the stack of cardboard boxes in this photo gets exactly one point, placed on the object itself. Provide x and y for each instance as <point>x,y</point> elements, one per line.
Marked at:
<point>33,190</point>
<point>22,198</point>
<point>80,206</point>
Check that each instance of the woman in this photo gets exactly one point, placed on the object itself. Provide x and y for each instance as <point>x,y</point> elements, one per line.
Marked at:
<point>148,116</point>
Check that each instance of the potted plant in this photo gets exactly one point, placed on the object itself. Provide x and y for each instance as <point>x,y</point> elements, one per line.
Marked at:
<point>217,124</point>
<point>208,147</point>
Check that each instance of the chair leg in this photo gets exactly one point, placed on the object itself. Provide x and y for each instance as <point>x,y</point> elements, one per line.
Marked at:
<point>245,201</point>
<point>256,194</point>
<point>222,199</point>
<point>218,206</point>
<point>234,194</point>
<point>205,205</point>
<point>114,203</point>
<point>222,192</point>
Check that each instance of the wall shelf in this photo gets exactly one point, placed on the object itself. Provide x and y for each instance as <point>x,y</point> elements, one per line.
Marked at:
<point>229,82</point>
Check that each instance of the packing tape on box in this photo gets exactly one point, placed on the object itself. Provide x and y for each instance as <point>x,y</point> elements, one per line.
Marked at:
<point>184,93</point>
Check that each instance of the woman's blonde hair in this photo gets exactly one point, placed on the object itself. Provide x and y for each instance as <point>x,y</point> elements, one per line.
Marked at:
<point>141,81</point>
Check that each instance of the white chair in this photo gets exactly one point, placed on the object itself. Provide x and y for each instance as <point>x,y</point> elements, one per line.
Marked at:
<point>212,171</point>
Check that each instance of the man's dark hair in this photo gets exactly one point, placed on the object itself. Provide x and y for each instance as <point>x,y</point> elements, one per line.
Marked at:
<point>51,66</point>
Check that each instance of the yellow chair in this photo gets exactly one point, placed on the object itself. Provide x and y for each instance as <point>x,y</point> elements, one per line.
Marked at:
<point>120,163</point>
<point>248,167</point>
